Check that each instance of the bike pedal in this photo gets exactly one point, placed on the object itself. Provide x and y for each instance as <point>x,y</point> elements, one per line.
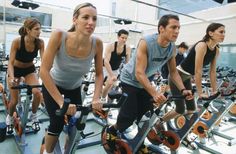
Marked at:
<point>190,144</point>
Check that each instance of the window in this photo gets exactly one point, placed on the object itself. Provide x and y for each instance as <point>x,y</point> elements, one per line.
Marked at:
<point>103,22</point>
<point>185,6</point>
<point>113,9</point>
<point>18,16</point>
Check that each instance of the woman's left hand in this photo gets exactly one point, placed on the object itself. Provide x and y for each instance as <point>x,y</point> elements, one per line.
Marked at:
<point>97,105</point>
<point>188,94</point>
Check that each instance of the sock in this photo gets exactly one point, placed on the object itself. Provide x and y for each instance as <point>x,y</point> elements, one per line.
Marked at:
<point>45,152</point>
<point>33,114</point>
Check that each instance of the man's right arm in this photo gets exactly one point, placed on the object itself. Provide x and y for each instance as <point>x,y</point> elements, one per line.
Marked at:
<point>140,67</point>
<point>107,58</point>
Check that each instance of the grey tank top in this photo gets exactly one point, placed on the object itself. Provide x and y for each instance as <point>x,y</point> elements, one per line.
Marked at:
<point>67,71</point>
<point>157,56</point>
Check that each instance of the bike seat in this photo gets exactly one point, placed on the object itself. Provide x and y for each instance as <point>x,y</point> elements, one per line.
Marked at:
<point>114,94</point>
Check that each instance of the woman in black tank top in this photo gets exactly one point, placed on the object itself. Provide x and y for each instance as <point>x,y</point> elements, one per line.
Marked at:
<point>23,51</point>
<point>204,52</point>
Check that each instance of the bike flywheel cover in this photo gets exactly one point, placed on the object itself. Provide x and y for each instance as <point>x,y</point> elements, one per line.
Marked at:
<point>171,140</point>
<point>180,121</point>
<point>121,146</point>
<point>154,138</point>
<point>200,129</point>
<point>232,110</point>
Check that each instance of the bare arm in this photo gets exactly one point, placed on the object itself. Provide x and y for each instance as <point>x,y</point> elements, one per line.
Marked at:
<point>107,58</point>
<point>46,64</point>
<point>41,48</point>
<point>128,53</point>
<point>200,49</point>
<point>141,65</point>
<point>213,72</point>
<point>98,69</point>
<point>14,47</point>
<point>174,75</point>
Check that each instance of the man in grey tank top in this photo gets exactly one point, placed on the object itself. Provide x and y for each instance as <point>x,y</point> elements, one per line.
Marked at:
<point>152,52</point>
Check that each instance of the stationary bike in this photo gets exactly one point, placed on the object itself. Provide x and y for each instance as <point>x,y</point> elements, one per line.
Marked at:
<point>223,105</point>
<point>76,125</point>
<point>158,138</point>
<point>103,115</point>
<point>125,145</point>
<point>21,117</point>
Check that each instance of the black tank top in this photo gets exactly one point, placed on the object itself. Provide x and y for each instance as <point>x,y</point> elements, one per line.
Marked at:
<point>115,58</point>
<point>188,64</point>
<point>25,56</point>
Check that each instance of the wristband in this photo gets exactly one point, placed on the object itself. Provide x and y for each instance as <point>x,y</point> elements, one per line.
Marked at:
<point>182,90</point>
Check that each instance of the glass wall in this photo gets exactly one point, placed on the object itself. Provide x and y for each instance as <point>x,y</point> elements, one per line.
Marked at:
<point>19,15</point>
<point>227,56</point>
<point>186,6</point>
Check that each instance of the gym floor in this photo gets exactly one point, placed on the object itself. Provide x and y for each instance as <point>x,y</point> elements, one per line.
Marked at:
<point>34,140</point>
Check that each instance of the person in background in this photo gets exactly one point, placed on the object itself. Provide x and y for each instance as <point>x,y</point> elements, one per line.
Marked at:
<point>114,54</point>
<point>181,54</point>
<point>68,57</point>
<point>23,51</point>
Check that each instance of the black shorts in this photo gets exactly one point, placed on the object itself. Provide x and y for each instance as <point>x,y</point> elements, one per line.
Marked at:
<point>138,100</point>
<point>56,123</point>
<point>22,72</point>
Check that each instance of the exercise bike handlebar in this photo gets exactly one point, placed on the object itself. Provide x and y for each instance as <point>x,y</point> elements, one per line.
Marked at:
<point>62,111</point>
<point>121,100</point>
<point>26,86</point>
<point>210,98</point>
<point>170,98</point>
<point>228,94</point>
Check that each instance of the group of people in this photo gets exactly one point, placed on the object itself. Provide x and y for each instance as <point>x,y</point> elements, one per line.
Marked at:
<point>68,57</point>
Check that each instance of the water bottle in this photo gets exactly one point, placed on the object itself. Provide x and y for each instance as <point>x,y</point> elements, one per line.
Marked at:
<point>20,109</point>
<point>75,118</point>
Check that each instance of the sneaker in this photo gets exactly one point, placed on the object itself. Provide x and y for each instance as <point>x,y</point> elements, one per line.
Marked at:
<point>9,123</point>
<point>202,140</point>
<point>216,127</point>
<point>143,149</point>
<point>103,100</point>
<point>35,122</point>
<point>212,109</point>
<point>189,144</point>
<point>111,137</point>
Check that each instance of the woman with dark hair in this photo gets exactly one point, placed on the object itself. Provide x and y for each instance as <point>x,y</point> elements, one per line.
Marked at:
<point>204,52</point>
<point>23,51</point>
<point>67,59</point>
